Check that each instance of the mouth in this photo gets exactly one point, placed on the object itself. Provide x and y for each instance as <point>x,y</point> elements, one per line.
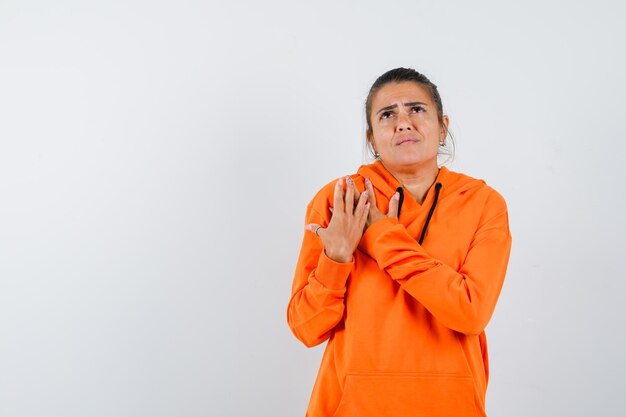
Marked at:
<point>406,141</point>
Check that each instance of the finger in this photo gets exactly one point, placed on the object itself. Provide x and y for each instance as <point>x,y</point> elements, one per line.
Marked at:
<point>357,193</point>
<point>370,191</point>
<point>338,198</point>
<point>349,195</point>
<point>314,228</point>
<point>360,206</point>
<point>393,206</point>
<point>362,209</point>
<point>364,214</point>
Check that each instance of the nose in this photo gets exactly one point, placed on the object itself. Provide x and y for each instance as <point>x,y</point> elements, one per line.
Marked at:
<point>403,122</point>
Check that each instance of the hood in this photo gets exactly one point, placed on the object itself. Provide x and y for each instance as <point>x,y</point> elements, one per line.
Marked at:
<point>451,182</point>
<point>447,185</point>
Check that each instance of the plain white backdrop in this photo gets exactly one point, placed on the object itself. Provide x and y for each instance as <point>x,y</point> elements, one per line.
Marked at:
<point>156,159</point>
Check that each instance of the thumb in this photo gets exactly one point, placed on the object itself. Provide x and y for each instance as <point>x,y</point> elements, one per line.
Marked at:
<point>314,228</point>
<point>393,206</point>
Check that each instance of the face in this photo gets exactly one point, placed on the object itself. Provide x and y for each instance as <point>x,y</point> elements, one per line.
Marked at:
<point>405,129</point>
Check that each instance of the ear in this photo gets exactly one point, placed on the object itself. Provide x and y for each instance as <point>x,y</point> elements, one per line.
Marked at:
<point>444,127</point>
<point>370,138</point>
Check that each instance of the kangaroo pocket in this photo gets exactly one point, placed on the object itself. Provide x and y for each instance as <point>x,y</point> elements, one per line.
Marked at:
<point>412,394</point>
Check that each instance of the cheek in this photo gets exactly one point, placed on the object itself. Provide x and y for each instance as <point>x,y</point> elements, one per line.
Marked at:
<point>431,133</point>
<point>382,135</point>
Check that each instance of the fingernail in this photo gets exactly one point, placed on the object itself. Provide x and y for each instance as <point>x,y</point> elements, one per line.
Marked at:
<point>365,193</point>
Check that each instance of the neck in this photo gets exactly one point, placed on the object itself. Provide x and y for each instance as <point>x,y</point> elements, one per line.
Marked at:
<point>416,179</point>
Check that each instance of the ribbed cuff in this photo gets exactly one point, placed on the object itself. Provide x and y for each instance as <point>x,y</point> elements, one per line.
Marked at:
<point>368,241</point>
<point>332,274</point>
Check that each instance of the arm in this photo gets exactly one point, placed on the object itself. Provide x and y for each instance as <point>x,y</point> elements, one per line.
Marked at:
<point>316,305</point>
<point>325,262</point>
<point>462,300</point>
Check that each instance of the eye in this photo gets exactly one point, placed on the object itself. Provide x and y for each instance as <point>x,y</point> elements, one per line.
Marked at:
<point>417,109</point>
<point>385,115</point>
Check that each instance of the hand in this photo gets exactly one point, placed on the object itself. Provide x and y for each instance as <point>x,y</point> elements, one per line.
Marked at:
<point>344,231</point>
<point>374,213</point>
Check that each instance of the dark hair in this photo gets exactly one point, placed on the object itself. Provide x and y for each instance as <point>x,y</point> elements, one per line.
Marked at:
<point>399,75</point>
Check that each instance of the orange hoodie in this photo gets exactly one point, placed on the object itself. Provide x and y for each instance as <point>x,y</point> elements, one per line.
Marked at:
<point>404,322</point>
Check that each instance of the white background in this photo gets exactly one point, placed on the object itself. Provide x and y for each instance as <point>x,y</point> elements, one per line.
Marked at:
<point>156,158</point>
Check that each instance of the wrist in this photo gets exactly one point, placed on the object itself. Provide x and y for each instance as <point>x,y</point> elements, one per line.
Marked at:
<point>374,218</point>
<point>338,256</point>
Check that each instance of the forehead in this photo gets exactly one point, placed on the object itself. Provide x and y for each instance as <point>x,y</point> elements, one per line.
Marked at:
<point>396,93</point>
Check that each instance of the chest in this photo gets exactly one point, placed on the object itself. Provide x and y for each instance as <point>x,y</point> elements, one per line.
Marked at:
<point>450,230</point>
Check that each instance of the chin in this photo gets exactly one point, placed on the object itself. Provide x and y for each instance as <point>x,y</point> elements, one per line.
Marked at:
<point>409,161</point>
<point>415,160</point>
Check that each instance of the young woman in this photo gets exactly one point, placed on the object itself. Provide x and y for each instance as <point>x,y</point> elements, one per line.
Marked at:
<point>400,270</point>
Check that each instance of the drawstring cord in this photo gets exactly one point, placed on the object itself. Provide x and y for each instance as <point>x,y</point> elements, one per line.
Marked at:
<point>400,190</point>
<point>430,213</point>
<point>438,186</point>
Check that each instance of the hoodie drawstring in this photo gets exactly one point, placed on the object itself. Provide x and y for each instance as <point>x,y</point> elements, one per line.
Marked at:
<point>430,213</point>
<point>400,190</point>
<point>438,186</point>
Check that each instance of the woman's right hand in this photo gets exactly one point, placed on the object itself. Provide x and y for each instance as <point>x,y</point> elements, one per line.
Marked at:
<point>342,236</point>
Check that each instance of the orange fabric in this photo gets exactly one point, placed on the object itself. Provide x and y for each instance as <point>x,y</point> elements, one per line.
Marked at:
<point>404,322</point>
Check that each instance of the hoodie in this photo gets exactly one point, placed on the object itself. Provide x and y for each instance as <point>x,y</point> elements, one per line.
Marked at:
<point>404,321</point>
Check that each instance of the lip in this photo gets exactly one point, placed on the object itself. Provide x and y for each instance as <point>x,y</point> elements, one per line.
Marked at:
<point>407,141</point>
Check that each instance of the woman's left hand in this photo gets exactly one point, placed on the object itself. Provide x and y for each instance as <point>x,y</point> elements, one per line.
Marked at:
<point>374,213</point>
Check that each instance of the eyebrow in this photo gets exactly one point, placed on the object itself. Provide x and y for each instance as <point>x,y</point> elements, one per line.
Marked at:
<point>393,106</point>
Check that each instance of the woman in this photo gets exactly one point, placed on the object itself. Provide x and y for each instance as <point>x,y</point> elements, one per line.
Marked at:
<point>400,269</point>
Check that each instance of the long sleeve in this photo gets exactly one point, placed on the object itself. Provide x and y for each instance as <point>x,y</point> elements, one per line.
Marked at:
<point>462,300</point>
<point>317,297</point>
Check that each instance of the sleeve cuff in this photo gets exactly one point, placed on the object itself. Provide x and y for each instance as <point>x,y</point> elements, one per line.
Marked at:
<point>332,274</point>
<point>368,241</point>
